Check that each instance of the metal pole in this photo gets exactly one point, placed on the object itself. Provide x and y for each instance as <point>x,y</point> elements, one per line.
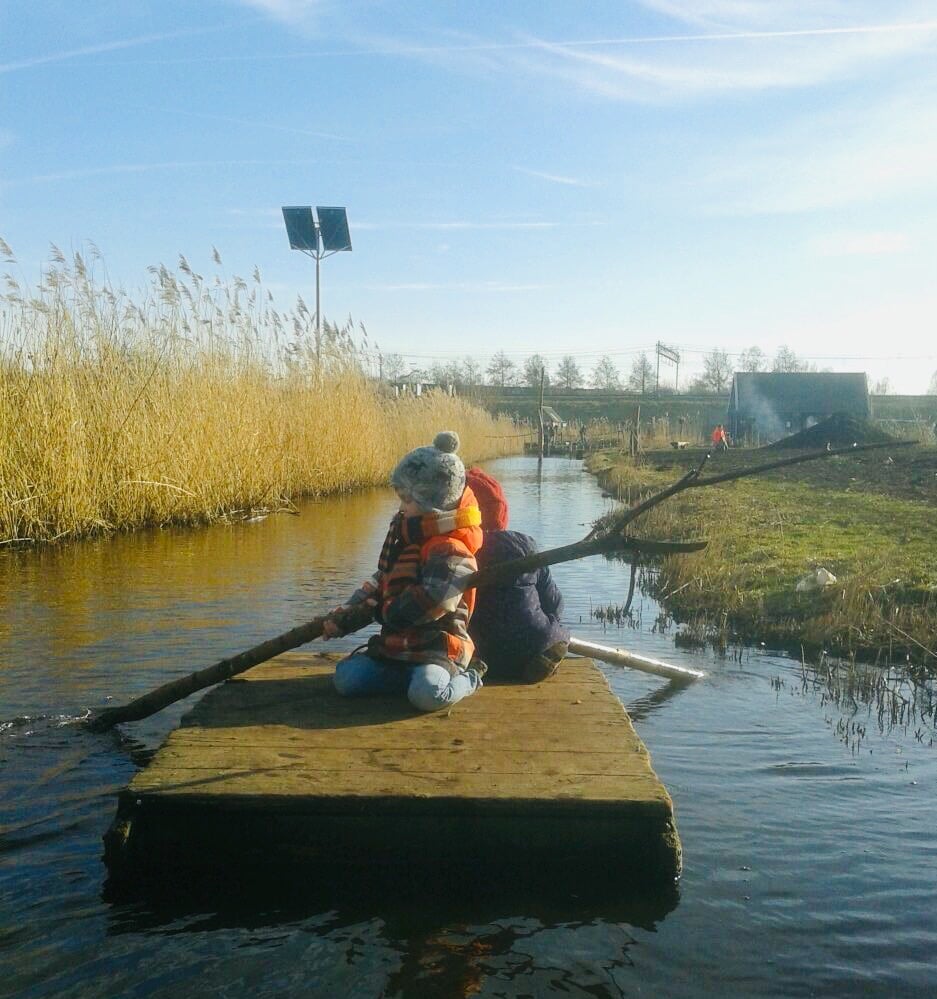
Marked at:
<point>318,310</point>
<point>657,386</point>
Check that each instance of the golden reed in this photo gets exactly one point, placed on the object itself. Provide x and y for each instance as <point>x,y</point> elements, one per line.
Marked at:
<point>196,402</point>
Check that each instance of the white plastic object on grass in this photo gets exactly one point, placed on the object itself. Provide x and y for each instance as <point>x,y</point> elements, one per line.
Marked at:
<point>815,580</point>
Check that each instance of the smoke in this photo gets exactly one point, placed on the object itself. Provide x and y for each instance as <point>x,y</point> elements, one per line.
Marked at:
<point>762,420</point>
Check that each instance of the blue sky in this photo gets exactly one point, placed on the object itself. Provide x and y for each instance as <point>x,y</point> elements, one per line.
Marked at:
<point>559,177</point>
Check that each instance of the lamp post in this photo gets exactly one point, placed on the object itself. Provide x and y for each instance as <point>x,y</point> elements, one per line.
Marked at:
<point>318,236</point>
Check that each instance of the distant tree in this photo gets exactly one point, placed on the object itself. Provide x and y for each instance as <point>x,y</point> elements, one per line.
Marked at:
<point>786,360</point>
<point>881,387</point>
<point>717,371</point>
<point>568,373</point>
<point>753,359</point>
<point>470,372</point>
<point>532,368</point>
<point>605,375</point>
<point>444,373</point>
<point>642,374</point>
<point>932,388</point>
<point>502,370</point>
<point>392,365</point>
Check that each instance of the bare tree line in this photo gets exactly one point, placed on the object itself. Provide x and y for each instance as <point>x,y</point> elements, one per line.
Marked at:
<point>501,371</point>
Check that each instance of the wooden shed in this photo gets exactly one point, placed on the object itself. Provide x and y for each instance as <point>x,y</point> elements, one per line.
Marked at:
<point>764,406</point>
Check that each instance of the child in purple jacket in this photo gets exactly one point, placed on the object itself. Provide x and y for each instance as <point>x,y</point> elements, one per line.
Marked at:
<point>516,625</point>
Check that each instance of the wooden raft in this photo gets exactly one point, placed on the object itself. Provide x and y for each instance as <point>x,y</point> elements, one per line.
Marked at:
<point>275,768</point>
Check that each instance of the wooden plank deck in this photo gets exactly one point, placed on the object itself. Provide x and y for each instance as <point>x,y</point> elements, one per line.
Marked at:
<point>275,767</point>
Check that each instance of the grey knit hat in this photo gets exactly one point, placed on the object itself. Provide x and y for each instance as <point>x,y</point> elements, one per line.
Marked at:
<point>433,476</point>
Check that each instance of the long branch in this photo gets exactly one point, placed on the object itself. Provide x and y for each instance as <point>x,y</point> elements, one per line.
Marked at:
<point>693,480</point>
<point>360,616</point>
<point>796,460</point>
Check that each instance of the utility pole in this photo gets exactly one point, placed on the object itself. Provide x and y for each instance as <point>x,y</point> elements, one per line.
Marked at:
<point>669,354</point>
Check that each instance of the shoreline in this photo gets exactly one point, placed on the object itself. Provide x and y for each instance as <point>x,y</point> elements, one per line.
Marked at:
<point>867,522</point>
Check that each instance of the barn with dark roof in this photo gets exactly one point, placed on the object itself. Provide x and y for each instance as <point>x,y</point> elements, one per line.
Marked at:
<point>769,405</point>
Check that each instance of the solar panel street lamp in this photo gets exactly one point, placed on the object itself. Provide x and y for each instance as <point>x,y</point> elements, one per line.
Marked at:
<point>318,236</point>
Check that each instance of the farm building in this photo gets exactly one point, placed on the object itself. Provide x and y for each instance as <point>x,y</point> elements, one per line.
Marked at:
<point>768,405</point>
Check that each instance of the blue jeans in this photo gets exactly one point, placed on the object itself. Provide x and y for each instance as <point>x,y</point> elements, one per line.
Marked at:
<point>428,686</point>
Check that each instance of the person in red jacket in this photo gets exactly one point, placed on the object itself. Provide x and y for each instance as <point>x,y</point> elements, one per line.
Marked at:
<point>720,439</point>
<point>424,648</point>
<point>517,625</point>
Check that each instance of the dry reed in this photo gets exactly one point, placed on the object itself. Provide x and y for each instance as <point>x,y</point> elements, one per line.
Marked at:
<point>196,401</point>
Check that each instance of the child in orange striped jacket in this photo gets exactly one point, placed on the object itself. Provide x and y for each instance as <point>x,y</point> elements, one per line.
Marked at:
<point>424,646</point>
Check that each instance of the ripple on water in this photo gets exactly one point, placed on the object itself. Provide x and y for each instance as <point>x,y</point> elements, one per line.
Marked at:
<point>810,863</point>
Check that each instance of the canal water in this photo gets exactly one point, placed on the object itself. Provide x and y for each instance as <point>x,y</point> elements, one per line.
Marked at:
<point>806,803</point>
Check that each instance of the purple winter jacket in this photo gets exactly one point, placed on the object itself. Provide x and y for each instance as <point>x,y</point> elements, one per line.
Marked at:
<point>515,621</point>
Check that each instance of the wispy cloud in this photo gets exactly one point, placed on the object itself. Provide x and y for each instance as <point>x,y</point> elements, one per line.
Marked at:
<point>112,46</point>
<point>837,157</point>
<point>475,287</point>
<point>554,178</point>
<point>450,226</point>
<point>289,11</point>
<point>701,54</point>
<point>850,244</point>
<point>245,122</point>
<point>716,46</point>
<point>763,60</point>
<point>142,168</point>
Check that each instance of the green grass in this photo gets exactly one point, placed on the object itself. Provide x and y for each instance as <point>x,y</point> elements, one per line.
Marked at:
<point>767,532</point>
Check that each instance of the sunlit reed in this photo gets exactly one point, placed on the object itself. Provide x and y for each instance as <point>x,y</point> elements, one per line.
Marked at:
<point>191,401</point>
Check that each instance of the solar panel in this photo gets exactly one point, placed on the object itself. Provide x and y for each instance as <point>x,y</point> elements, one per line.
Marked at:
<point>333,227</point>
<point>301,228</point>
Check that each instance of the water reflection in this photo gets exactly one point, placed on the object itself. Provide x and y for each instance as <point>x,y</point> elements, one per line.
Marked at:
<point>803,796</point>
<point>461,938</point>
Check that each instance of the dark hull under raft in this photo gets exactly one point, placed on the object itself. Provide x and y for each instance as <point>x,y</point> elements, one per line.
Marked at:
<point>274,769</point>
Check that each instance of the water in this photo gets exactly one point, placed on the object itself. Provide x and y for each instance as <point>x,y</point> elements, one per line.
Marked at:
<point>809,820</point>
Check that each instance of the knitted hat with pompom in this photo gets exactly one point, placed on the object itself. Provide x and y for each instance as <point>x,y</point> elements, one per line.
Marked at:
<point>434,476</point>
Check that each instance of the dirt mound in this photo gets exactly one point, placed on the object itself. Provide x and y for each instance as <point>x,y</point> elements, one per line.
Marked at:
<point>839,430</point>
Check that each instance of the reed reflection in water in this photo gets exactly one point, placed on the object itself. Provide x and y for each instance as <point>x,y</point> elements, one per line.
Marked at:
<point>811,864</point>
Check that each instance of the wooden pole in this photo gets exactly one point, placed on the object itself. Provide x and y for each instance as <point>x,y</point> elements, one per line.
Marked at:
<point>540,412</point>
<point>621,657</point>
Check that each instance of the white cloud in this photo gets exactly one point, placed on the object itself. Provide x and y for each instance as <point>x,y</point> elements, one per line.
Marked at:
<point>715,46</point>
<point>112,46</point>
<point>470,286</point>
<point>444,226</point>
<point>746,61</point>
<point>142,168</point>
<point>245,122</point>
<point>290,11</point>
<point>856,243</point>
<point>839,157</point>
<point>554,178</point>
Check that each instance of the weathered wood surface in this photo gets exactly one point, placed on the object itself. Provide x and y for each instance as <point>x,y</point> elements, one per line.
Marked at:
<point>277,756</point>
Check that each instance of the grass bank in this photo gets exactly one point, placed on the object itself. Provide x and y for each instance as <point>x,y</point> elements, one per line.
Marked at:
<point>190,402</point>
<point>869,519</point>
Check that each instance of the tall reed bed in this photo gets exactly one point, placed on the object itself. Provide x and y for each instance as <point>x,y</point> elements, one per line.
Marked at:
<point>191,401</point>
